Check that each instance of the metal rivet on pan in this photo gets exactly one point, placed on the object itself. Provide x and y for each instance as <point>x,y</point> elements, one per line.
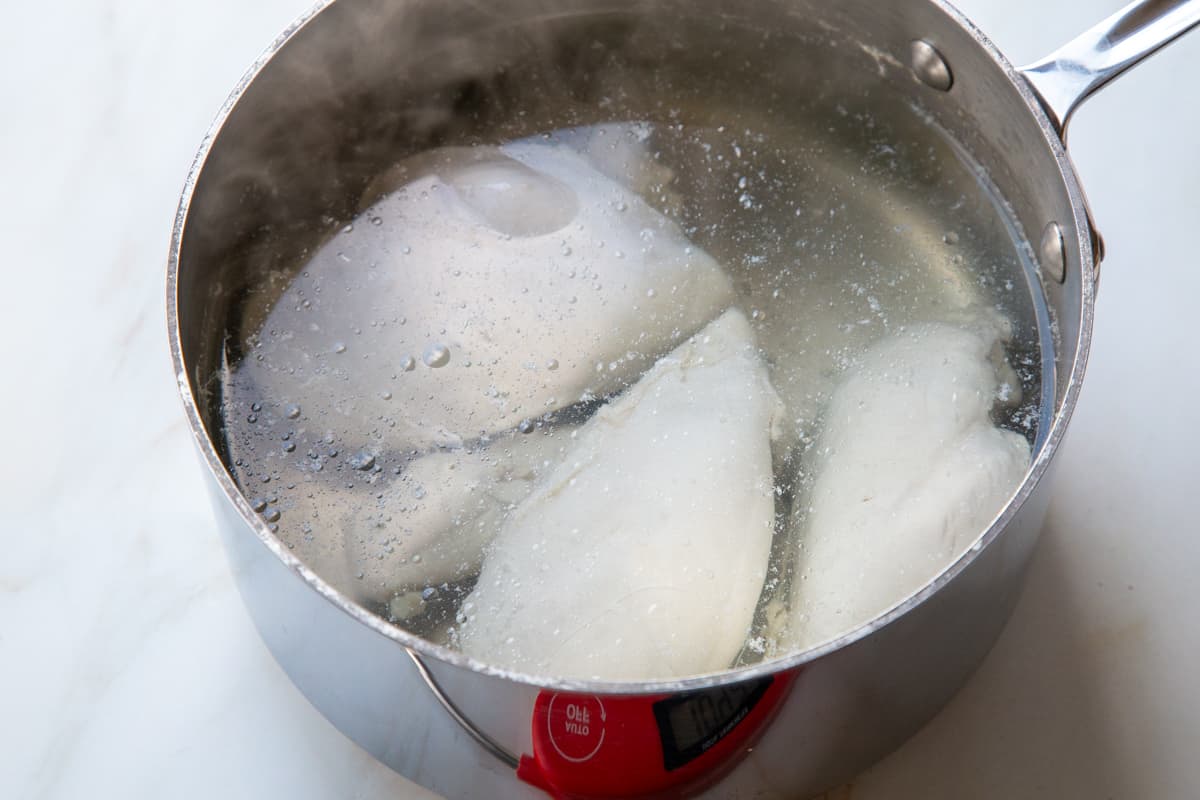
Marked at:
<point>1052,252</point>
<point>930,67</point>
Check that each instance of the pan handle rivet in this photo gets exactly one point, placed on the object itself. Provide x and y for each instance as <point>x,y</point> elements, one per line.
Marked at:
<point>1052,252</point>
<point>930,68</point>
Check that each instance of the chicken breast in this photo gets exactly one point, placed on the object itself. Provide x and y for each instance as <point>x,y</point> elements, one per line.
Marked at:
<point>431,523</point>
<point>483,287</point>
<point>643,553</point>
<point>908,471</point>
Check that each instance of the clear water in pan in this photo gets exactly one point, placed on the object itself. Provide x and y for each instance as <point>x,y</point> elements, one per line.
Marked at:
<point>837,226</point>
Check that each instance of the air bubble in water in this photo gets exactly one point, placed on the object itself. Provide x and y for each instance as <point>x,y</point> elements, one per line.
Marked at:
<point>361,461</point>
<point>436,355</point>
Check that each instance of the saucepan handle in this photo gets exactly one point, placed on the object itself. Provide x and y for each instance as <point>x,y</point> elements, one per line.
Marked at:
<point>1072,73</point>
<point>484,741</point>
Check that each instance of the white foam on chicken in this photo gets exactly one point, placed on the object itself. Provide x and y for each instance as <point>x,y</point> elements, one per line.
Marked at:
<point>643,553</point>
<point>908,471</point>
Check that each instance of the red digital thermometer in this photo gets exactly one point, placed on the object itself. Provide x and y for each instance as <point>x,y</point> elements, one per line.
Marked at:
<point>654,746</point>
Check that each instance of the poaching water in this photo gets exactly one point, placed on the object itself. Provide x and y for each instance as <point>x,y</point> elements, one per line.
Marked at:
<point>831,228</point>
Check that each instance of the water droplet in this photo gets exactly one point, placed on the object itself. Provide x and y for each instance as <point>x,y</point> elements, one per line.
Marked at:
<point>258,504</point>
<point>253,418</point>
<point>526,426</point>
<point>650,293</point>
<point>429,593</point>
<point>416,559</point>
<point>950,238</point>
<point>288,447</point>
<point>271,515</point>
<point>408,364</point>
<point>256,406</point>
<point>339,347</point>
<point>349,228</point>
<point>385,394</point>
<point>552,364</point>
<point>436,355</point>
<point>292,411</point>
<point>376,221</point>
<point>620,205</point>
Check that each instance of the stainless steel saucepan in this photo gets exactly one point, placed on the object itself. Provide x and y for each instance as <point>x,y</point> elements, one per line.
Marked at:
<point>355,82</point>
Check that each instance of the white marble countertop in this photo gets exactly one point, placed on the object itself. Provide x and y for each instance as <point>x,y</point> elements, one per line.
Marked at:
<point>128,668</point>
